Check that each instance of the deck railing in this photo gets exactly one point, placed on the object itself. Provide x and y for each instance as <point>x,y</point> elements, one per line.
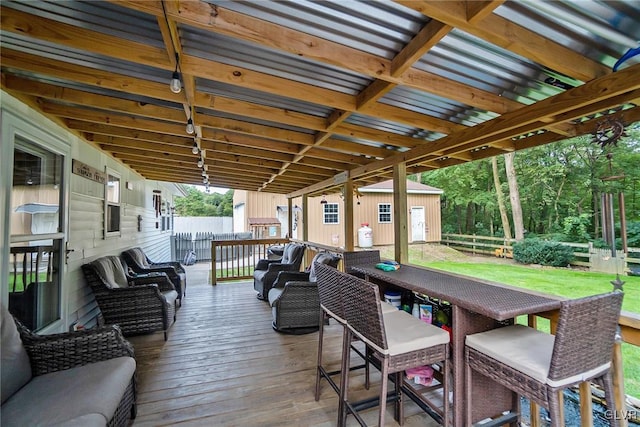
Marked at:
<point>235,259</point>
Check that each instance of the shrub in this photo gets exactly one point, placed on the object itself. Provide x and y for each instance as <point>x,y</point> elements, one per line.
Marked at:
<point>536,251</point>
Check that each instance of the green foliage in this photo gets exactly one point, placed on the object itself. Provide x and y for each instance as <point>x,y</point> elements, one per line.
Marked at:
<point>560,188</point>
<point>197,203</point>
<point>543,252</point>
<point>633,234</point>
<point>576,227</point>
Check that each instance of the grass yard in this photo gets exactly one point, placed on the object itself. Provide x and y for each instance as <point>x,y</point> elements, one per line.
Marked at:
<point>557,281</point>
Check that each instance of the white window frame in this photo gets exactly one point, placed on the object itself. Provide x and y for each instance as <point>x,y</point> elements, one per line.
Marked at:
<point>108,203</point>
<point>326,214</point>
<point>381,213</point>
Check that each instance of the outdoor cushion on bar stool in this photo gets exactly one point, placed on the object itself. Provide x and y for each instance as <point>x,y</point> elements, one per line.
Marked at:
<point>328,281</point>
<point>399,340</point>
<point>538,365</point>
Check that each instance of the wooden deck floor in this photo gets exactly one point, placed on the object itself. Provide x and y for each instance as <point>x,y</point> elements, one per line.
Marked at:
<point>223,365</point>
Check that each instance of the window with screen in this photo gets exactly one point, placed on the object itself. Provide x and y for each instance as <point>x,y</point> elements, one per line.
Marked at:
<point>384,213</point>
<point>112,204</point>
<point>330,213</point>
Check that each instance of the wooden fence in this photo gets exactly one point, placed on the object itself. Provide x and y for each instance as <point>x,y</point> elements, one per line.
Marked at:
<point>585,254</point>
<point>183,243</point>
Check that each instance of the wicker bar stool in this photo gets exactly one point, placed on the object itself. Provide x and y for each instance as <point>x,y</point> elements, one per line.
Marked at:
<point>538,365</point>
<point>398,340</point>
<point>329,283</point>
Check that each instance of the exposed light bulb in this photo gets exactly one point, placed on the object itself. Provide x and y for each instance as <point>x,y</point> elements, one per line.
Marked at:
<point>190,129</point>
<point>204,173</point>
<point>195,148</point>
<point>200,163</point>
<point>175,85</point>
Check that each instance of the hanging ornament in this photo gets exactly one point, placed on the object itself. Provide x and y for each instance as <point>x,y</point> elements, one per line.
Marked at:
<point>608,132</point>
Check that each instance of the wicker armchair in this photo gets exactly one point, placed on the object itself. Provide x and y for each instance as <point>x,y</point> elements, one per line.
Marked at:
<point>294,298</point>
<point>137,305</point>
<point>266,271</point>
<point>137,260</point>
<point>77,378</point>
<point>580,351</point>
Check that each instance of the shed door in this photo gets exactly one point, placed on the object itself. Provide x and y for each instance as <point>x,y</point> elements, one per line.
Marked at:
<point>417,224</point>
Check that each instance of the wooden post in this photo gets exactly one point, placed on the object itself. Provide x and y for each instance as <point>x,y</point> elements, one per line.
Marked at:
<point>214,279</point>
<point>618,383</point>
<point>400,212</point>
<point>305,217</point>
<point>349,239</point>
<point>586,405</point>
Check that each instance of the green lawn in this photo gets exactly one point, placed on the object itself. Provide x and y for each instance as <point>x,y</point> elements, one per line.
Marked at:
<point>563,282</point>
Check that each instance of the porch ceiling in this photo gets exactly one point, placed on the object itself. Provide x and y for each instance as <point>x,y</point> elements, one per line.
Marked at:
<point>286,95</point>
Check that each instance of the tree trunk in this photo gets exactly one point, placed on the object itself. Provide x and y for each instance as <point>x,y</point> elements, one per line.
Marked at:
<point>514,195</point>
<point>506,227</point>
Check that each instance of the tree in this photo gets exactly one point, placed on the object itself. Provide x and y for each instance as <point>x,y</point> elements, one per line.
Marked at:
<point>197,203</point>
<point>506,227</point>
<point>514,195</point>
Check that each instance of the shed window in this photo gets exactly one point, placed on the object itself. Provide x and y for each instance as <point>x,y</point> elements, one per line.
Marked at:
<point>384,213</point>
<point>330,213</point>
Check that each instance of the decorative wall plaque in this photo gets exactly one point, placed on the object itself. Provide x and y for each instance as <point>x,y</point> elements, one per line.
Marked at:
<point>88,172</point>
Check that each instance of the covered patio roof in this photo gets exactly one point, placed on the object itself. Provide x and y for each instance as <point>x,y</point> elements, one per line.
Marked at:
<point>287,95</point>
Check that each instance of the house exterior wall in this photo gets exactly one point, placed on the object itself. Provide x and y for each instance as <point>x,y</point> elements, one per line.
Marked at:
<point>84,231</point>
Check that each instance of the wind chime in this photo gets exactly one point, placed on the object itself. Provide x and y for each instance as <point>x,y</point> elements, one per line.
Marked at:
<point>607,133</point>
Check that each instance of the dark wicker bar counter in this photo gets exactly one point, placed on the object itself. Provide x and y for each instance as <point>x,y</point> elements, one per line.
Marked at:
<point>477,306</point>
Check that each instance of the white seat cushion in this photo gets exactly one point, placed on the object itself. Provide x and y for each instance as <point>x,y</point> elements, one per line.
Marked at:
<point>406,333</point>
<point>521,347</point>
<point>387,308</point>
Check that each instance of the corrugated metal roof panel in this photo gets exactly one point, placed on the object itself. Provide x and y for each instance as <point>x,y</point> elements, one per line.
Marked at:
<point>379,28</point>
<point>102,16</point>
<point>600,30</point>
<point>262,98</point>
<point>218,47</point>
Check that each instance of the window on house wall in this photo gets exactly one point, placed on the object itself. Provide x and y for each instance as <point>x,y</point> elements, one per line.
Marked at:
<point>37,232</point>
<point>330,213</point>
<point>112,204</point>
<point>384,213</point>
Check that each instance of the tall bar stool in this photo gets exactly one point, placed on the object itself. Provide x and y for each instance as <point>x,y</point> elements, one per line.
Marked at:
<point>329,284</point>
<point>399,340</point>
<point>580,351</point>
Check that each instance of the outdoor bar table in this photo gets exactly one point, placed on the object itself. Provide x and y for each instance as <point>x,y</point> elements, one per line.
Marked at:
<point>477,307</point>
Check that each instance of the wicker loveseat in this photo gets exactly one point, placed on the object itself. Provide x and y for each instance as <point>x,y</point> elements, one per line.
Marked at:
<point>139,262</point>
<point>84,378</point>
<point>138,304</point>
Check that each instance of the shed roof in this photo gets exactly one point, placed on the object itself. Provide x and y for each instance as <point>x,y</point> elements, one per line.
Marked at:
<point>264,221</point>
<point>413,187</point>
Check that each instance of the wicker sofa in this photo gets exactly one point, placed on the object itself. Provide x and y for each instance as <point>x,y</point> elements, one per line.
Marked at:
<point>140,304</point>
<point>84,378</point>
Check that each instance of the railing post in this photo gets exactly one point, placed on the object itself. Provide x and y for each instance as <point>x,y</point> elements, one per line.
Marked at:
<point>214,280</point>
<point>618,383</point>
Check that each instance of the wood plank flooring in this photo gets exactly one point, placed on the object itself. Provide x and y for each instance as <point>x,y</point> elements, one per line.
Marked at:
<point>224,365</point>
